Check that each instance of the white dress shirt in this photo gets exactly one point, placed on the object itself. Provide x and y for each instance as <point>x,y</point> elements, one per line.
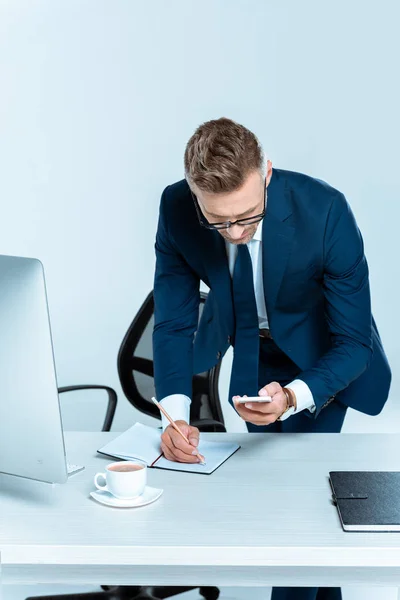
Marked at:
<point>178,405</point>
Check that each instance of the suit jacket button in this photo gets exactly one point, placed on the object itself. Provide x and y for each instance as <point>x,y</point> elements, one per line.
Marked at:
<point>218,355</point>
<point>229,339</point>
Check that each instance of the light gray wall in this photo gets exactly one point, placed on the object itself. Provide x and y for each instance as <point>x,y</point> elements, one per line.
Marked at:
<point>97,101</point>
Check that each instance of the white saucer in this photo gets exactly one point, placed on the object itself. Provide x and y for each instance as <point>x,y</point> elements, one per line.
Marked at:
<point>149,495</point>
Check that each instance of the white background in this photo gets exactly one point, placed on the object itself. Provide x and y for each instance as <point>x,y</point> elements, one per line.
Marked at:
<point>98,100</point>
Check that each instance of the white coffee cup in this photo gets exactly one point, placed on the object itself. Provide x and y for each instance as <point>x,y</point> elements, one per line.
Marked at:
<point>124,479</point>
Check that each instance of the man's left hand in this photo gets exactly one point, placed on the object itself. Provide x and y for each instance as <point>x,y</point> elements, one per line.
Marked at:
<point>264,413</point>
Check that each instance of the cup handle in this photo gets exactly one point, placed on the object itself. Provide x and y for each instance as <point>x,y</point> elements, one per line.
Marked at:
<point>96,483</point>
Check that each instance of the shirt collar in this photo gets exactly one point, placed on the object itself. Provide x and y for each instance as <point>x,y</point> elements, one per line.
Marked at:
<point>257,237</point>
<point>258,234</point>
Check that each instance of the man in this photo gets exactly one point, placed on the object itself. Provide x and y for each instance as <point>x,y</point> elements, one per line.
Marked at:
<point>284,261</point>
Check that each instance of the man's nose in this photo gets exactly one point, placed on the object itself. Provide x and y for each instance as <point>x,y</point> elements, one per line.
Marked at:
<point>236,231</point>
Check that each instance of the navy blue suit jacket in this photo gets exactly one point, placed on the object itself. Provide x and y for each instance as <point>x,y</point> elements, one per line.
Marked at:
<point>316,292</point>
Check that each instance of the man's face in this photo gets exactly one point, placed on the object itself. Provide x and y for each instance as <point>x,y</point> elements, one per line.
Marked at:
<point>241,204</point>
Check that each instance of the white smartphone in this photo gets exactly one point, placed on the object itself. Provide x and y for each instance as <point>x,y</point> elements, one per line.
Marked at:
<point>254,399</point>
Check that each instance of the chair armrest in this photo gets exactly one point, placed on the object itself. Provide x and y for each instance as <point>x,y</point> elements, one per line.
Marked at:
<point>112,400</point>
<point>209,425</point>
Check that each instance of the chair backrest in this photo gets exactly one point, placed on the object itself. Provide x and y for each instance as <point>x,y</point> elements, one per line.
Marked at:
<point>136,373</point>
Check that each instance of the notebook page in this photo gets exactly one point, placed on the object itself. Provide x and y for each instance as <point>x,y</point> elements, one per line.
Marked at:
<point>138,442</point>
<point>215,453</point>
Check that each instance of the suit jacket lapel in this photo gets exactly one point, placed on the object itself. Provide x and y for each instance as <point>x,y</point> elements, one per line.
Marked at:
<point>277,238</point>
<point>217,268</point>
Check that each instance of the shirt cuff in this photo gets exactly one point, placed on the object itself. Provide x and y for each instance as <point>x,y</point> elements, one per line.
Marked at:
<point>304,398</point>
<point>178,408</point>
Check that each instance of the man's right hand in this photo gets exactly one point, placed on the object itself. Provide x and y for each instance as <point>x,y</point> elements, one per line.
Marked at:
<point>174,446</point>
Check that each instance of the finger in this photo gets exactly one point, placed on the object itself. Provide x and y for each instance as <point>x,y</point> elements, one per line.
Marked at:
<point>182,457</point>
<point>264,408</point>
<point>264,421</point>
<point>166,441</point>
<point>254,415</point>
<point>271,389</point>
<point>251,407</point>
<point>173,439</point>
<point>191,433</point>
<point>193,436</point>
<point>238,407</point>
<point>167,454</point>
<point>258,418</point>
<point>179,443</point>
<point>274,408</point>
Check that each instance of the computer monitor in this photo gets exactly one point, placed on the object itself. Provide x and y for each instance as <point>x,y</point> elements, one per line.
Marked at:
<point>31,435</point>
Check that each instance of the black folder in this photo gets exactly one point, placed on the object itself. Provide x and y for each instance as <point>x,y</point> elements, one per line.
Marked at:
<point>367,500</point>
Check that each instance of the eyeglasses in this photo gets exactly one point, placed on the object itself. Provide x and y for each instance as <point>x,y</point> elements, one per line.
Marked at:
<point>226,224</point>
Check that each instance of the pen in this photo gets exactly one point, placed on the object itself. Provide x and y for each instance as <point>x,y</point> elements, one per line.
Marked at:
<point>175,426</point>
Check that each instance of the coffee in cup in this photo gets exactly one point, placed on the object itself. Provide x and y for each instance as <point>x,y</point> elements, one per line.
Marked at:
<point>124,480</point>
<point>125,467</point>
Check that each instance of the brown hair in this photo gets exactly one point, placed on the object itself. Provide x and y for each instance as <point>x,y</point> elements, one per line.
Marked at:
<point>220,155</point>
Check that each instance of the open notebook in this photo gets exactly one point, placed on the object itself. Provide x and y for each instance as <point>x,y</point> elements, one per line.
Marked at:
<point>141,442</point>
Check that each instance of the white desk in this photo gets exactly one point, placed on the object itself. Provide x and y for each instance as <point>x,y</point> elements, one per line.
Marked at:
<point>264,518</point>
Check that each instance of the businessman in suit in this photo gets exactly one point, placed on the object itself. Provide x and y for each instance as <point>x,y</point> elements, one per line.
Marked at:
<point>284,260</point>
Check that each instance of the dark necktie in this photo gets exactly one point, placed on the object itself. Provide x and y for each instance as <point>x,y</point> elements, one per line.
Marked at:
<point>244,378</point>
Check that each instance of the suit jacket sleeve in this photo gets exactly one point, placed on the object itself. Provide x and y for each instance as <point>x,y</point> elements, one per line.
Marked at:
<point>347,307</point>
<point>176,309</point>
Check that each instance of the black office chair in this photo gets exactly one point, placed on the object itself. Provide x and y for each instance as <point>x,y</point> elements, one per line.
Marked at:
<point>135,369</point>
<point>136,373</point>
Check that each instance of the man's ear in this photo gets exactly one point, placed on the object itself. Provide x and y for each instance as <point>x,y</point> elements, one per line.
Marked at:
<point>269,172</point>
